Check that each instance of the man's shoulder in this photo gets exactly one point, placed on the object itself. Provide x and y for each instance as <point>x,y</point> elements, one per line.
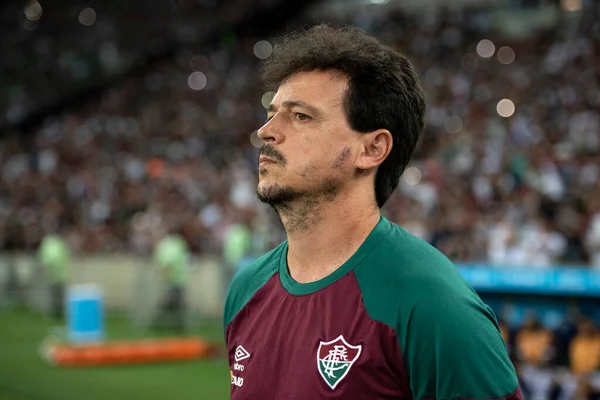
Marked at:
<point>404,271</point>
<point>250,279</point>
<point>444,330</point>
<point>402,257</point>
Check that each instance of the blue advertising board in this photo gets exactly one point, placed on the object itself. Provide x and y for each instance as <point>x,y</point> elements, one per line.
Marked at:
<point>560,281</point>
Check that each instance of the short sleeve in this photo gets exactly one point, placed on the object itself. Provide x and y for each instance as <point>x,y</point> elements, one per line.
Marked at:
<point>453,348</point>
<point>449,339</point>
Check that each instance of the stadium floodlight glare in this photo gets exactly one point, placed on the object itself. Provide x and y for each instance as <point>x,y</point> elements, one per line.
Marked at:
<point>255,140</point>
<point>506,55</point>
<point>266,99</point>
<point>412,176</point>
<point>453,124</point>
<point>33,11</point>
<point>505,108</point>
<point>263,49</point>
<point>87,16</point>
<point>486,48</point>
<point>197,80</point>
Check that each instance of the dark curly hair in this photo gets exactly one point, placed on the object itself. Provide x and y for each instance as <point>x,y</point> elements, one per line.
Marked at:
<point>384,90</point>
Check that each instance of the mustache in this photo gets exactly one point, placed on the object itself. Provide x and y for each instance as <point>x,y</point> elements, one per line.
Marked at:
<point>268,150</point>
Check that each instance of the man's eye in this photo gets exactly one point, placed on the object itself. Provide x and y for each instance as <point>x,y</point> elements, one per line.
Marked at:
<point>302,117</point>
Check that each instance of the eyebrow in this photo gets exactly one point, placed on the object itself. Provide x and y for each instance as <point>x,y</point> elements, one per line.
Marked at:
<point>296,103</point>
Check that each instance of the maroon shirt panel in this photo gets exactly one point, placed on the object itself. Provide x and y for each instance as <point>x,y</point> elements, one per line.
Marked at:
<point>282,332</point>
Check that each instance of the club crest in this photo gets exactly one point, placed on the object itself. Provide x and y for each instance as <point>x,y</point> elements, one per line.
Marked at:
<point>335,358</point>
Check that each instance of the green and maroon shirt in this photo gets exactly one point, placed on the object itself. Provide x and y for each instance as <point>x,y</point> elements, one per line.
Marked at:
<point>396,321</point>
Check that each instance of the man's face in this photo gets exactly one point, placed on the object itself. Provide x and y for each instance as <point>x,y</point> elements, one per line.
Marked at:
<point>309,149</point>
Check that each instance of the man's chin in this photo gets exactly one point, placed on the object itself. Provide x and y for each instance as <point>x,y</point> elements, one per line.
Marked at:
<point>275,194</point>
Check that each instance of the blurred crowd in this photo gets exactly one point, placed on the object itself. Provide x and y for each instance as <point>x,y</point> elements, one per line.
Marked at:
<point>556,364</point>
<point>174,150</point>
<point>50,50</point>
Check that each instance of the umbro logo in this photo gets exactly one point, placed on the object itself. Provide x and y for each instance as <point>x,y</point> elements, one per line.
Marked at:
<point>241,354</point>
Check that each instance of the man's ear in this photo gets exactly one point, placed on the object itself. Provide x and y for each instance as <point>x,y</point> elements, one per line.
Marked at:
<point>377,146</point>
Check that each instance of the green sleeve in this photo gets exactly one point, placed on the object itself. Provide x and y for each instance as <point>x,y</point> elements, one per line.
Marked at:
<point>449,339</point>
<point>453,347</point>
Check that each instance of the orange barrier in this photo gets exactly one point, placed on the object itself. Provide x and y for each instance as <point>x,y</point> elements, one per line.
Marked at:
<point>128,352</point>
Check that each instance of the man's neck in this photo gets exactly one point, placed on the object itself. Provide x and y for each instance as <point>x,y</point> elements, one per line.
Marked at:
<point>330,234</point>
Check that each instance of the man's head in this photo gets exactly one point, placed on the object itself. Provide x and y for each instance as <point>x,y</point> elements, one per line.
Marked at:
<point>348,110</point>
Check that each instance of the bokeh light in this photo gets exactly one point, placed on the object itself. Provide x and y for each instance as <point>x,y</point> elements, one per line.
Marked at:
<point>571,5</point>
<point>453,124</point>
<point>255,140</point>
<point>33,11</point>
<point>506,55</point>
<point>412,176</point>
<point>505,108</point>
<point>197,80</point>
<point>266,99</point>
<point>87,17</point>
<point>263,49</point>
<point>486,48</point>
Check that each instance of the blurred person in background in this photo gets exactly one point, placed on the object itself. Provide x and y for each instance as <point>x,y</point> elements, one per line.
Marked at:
<point>592,236</point>
<point>237,246</point>
<point>534,342</point>
<point>533,244</point>
<point>534,351</point>
<point>349,289</point>
<point>585,349</point>
<point>13,289</point>
<point>587,388</point>
<point>171,255</point>
<point>54,255</point>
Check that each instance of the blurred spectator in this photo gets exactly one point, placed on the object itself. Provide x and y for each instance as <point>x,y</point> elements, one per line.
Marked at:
<point>52,50</point>
<point>585,349</point>
<point>173,145</point>
<point>534,343</point>
<point>171,255</point>
<point>592,237</point>
<point>54,255</point>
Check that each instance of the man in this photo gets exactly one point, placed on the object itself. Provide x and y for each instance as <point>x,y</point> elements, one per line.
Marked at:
<point>237,245</point>
<point>351,306</point>
<point>54,256</point>
<point>171,254</point>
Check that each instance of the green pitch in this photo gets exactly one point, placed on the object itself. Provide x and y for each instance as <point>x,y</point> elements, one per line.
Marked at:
<point>25,376</point>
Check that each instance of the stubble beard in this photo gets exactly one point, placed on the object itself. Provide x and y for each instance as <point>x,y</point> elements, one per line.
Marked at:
<point>298,210</point>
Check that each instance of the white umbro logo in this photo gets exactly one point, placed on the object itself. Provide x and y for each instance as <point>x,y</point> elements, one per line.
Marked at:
<point>241,354</point>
